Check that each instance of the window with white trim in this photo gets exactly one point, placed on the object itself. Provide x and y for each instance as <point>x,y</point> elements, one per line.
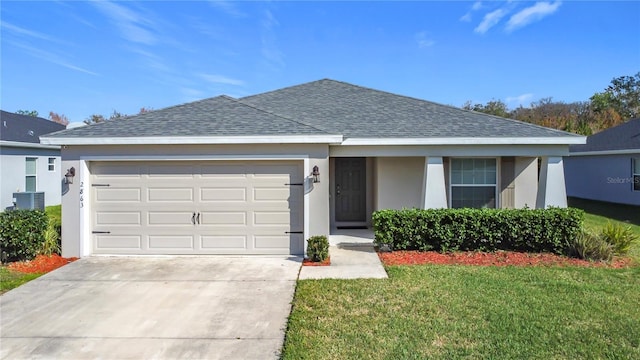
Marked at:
<point>473,182</point>
<point>30,174</point>
<point>635,173</point>
<point>52,164</point>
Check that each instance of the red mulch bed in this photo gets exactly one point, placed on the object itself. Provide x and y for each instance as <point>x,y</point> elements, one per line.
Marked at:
<point>41,264</point>
<point>308,262</point>
<point>499,258</point>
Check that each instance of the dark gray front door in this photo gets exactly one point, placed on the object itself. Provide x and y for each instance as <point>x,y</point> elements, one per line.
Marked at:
<point>351,190</point>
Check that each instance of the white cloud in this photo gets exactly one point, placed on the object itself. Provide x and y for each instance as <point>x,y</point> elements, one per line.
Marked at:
<point>270,50</point>
<point>490,20</point>
<point>424,40</point>
<point>219,79</point>
<point>532,14</point>
<point>519,100</point>
<point>133,26</point>
<point>23,31</point>
<point>228,7</point>
<point>52,58</point>
<point>467,17</point>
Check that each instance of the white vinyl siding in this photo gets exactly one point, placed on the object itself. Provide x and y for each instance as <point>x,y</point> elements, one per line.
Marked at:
<point>473,182</point>
<point>635,176</point>
<point>31,166</point>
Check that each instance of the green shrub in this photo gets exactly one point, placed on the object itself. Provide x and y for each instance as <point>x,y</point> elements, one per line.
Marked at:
<point>527,230</point>
<point>620,237</point>
<point>590,246</point>
<point>318,248</point>
<point>21,234</point>
<point>54,213</point>
<point>51,239</point>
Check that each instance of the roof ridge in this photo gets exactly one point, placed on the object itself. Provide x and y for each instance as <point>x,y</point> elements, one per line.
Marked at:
<point>282,116</point>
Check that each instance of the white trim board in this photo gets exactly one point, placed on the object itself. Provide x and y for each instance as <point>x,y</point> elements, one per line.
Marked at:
<point>19,144</point>
<point>560,140</point>
<point>191,140</point>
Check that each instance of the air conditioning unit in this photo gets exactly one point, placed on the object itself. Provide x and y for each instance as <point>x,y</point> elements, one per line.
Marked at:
<point>29,200</point>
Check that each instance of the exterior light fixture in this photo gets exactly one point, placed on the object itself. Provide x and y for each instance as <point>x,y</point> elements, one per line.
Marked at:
<point>316,174</point>
<point>68,177</point>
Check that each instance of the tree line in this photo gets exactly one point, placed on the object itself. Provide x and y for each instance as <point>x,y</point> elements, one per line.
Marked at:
<point>616,104</point>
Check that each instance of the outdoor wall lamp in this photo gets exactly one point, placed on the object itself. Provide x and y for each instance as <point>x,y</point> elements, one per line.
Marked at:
<point>68,177</point>
<point>316,174</point>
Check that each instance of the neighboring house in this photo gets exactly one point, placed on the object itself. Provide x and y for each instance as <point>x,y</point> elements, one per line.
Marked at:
<point>607,167</point>
<point>25,164</point>
<point>259,174</point>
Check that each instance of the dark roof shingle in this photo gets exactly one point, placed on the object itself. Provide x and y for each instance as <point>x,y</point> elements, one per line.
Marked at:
<point>622,137</point>
<point>24,128</point>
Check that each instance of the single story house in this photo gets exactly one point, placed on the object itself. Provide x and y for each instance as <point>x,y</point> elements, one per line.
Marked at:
<point>26,165</point>
<point>259,174</point>
<point>607,167</point>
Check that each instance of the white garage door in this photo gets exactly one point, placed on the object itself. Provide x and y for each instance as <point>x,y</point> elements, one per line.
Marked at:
<point>197,207</point>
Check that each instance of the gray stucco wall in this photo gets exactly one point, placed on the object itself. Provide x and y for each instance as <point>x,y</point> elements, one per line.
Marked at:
<point>601,177</point>
<point>73,230</point>
<point>13,166</point>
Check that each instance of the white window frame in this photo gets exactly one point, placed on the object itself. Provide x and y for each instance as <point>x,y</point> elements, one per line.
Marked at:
<point>34,175</point>
<point>51,164</point>
<point>495,185</point>
<point>635,162</point>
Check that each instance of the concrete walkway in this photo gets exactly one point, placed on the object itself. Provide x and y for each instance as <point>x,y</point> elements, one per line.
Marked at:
<point>352,257</point>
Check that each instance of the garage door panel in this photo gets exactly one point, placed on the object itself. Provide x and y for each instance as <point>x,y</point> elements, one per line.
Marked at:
<point>244,208</point>
<point>118,218</point>
<point>117,194</point>
<point>223,218</point>
<point>170,194</point>
<point>271,194</point>
<point>271,218</point>
<point>214,242</point>
<point>183,242</point>
<point>170,218</point>
<point>223,194</point>
<point>113,242</point>
<point>272,242</point>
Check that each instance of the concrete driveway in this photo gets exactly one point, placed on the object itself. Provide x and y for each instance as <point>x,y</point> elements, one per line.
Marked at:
<point>152,308</point>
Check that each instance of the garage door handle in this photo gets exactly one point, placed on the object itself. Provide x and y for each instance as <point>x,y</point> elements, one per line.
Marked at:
<point>294,232</point>
<point>193,218</point>
<point>101,232</point>
<point>198,219</point>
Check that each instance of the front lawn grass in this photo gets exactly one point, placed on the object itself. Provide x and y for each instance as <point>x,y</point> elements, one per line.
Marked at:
<point>10,279</point>
<point>455,312</point>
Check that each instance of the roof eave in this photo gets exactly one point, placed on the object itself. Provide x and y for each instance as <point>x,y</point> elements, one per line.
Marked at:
<point>194,140</point>
<point>558,140</point>
<point>29,145</point>
<point>605,152</point>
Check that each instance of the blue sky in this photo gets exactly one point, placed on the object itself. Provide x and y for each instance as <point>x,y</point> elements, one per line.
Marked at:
<point>79,58</point>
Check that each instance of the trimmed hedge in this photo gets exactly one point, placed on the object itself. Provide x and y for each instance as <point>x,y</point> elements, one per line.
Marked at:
<point>526,230</point>
<point>21,234</point>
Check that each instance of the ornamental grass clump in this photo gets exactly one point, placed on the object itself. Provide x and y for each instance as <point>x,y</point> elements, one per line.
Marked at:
<point>318,248</point>
<point>589,246</point>
<point>620,237</point>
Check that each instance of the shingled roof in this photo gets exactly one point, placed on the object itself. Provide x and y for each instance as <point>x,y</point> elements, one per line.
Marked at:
<point>24,128</point>
<point>359,112</point>
<point>326,107</point>
<point>622,137</point>
<point>218,116</point>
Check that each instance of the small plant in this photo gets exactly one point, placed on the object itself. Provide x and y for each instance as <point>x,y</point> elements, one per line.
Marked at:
<point>620,237</point>
<point>51,243</point>
<point>318,248</point>
<point>590,246</point>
